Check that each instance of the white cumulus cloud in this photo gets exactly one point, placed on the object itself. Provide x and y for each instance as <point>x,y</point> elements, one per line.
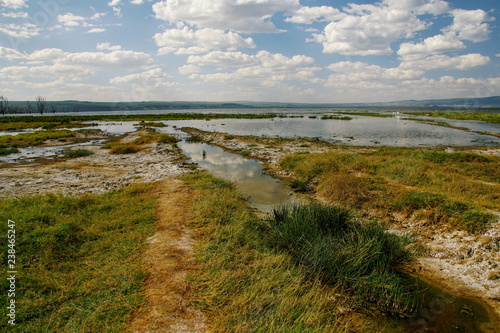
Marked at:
<point>269,70</point>
<point>238,15</point>
<point>108,46</point>
<point>463,62</point>
<point>223,59</point>
<point>25,30</point>
<point>14,4</point>
<point>10,54</point>
<point>432,45</point>
<point>70,20</point>
<point>151,77</point>
<point>203,40</point>
<point>471,24</point>
<point>308,15</point>
<point>369,30</point>
<point>420,7</point>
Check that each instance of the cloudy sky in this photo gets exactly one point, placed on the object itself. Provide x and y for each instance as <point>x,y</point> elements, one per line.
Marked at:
<point>259,50</point>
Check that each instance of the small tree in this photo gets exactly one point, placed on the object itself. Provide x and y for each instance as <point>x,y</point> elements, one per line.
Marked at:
<point>4,105</point>
<point>41,104</point>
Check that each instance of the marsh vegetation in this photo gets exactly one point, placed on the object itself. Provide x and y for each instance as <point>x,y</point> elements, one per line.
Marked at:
<point>456,189</point>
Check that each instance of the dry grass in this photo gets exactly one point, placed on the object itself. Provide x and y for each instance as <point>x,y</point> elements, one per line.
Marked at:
<point>387,179</point>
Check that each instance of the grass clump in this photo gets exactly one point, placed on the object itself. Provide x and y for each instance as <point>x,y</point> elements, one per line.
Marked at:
<point>361,258</point>
<point>7,151</point>
<point>78,259</point>
<point>151,124</point>
<point>78,153</point>
<point>121,148</point>
<point>155,137</point>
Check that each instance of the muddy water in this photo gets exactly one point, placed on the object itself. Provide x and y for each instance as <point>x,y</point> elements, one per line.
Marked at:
<point>262,191</point>
<point>443,312</point>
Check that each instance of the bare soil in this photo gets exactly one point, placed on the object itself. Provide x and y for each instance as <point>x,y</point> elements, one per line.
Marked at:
<point>169,258</point>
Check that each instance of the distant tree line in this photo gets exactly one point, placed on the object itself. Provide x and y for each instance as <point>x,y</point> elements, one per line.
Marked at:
<point>39,106</point>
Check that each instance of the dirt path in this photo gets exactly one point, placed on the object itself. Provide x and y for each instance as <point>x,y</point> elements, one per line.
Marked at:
<point>169,258</point>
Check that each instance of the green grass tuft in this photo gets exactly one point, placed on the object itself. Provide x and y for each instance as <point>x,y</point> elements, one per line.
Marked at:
<point>78,153</point>
<point>7,151</point>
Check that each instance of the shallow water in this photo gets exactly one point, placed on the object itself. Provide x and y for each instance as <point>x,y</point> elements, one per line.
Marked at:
<point>360,131</point>
<point>260,189</point>
<point>28,155</point>
<point>443,312</point>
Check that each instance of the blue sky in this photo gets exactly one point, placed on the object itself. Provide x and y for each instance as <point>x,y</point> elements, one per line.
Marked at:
<point>259,50</point>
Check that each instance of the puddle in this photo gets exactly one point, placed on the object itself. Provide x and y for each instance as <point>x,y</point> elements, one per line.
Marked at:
<point>442,312</point>
<point>261,190</point>
<point>29,155</point>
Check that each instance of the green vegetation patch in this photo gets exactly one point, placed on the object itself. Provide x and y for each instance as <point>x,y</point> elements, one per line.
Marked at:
<point>121,148</point>
<point>155,137</point>
<point>257,275</point>
<point>7,151</point>
<point>151,124</point>
<point>20,125</point>
<point>360,257</point>
<point>490,117</point>
<point>36,138</point>
<point>78,153</point>
<point>78,259</point>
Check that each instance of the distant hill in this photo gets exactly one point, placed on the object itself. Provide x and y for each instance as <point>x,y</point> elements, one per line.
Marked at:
<point>85,106</point>
<point>469,103</point>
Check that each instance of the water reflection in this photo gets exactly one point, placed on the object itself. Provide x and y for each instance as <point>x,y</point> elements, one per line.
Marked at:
<point>263,191</point>
<point>360,131</point>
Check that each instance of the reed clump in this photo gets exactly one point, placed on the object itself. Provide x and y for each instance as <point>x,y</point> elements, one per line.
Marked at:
<point>328,242</point>
<point>78,153</point>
